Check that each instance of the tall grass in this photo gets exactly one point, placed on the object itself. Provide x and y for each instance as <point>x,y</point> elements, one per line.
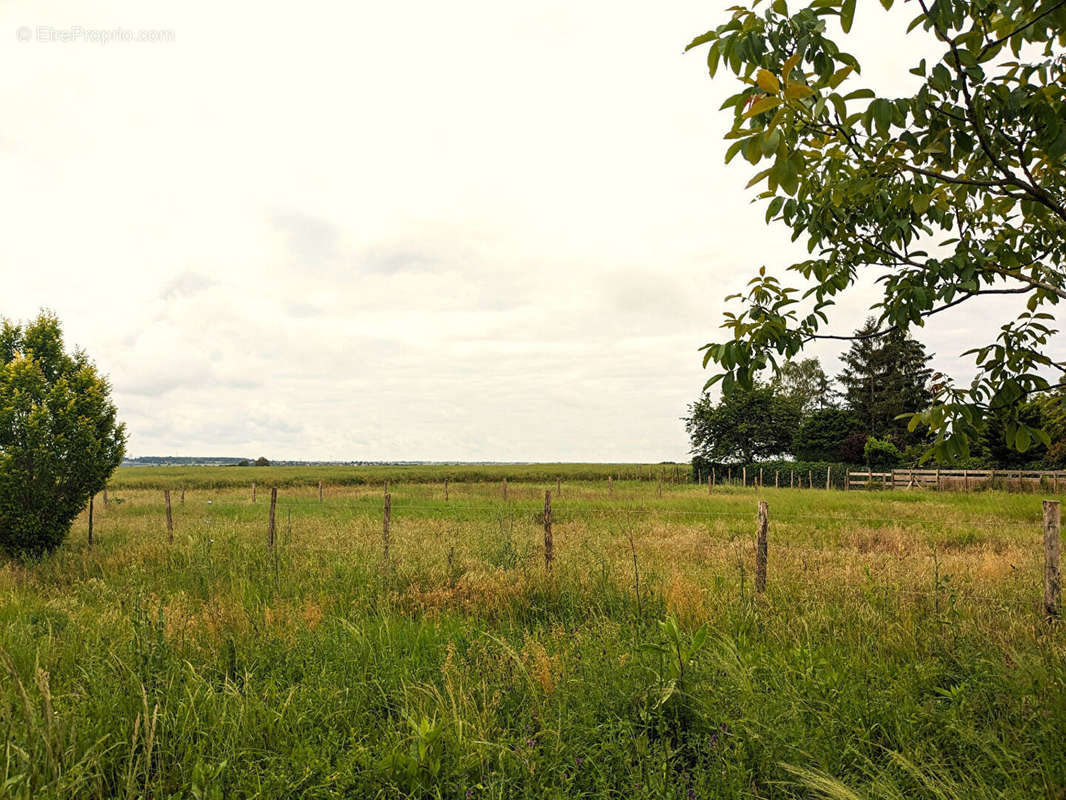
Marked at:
<point>898,650</point>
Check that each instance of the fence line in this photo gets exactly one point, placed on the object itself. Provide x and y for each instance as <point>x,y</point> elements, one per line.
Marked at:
<point>949,478</point>
<point>839,479</point>
<point>599,510</point>
<point>1051,539</point>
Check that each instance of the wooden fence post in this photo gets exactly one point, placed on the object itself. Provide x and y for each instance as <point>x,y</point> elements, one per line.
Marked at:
<point>253,491</point>
<point>744,476</point>
<point>270,524</point>
<point>90,522</point>
<point>828,476</point>
<point>1021,484</point>
<point>660,486</point>
<point>938,479</point>
<point>966,480</point>
<point>385,526</point>
<point>792,479</point>
<point>610,485</point>
<point>1052,549</point>
<point>710,485</point>
<point>761,547</point>
<point>714,476</point>
<point>320,491</point>
<point>1055,478</point>
<point>170,518</point>
<point>777,479</point>
<point>992,480</point>
<point>847,478</point>
<point>810,479</point>
<point>559,486</point>
<point>729,478</point>
<point>549,552</point>
<point>760,477</point>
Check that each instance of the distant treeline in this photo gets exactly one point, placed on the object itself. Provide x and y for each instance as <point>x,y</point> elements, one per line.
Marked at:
<point>860,418</point>
<point>241,461</point>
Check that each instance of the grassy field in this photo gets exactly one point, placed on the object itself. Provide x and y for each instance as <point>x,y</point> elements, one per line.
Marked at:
<point>898,651</point>
<point>225,477</point>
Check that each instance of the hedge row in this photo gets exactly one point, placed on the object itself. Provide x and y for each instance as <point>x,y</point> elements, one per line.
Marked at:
<point>785,471</point>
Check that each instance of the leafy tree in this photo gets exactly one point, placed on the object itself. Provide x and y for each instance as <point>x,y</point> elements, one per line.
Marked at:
<point>885,377</point>
<point>954,192</point>
<point>1053,407</point>
<point>744,426</point>
<point>999,454</point>
<point>853,449</point>
<point>882,453</point>
<point>805,383</point>
<point>59,439</point>
<point>262,461</point>
<point>822,435</point>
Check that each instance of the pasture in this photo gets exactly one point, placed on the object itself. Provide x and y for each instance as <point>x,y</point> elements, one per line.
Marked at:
<point>898,651</point>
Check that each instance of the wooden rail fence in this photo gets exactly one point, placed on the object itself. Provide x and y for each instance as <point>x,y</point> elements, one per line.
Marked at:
<point>959,479</point>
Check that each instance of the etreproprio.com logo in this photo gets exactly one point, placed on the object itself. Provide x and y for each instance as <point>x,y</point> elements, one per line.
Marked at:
<point>49,34</point>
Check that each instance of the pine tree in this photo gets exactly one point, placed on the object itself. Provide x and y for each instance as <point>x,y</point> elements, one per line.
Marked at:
<point>885,376</point>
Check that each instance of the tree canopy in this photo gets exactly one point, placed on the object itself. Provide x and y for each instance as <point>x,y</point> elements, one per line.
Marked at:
<point>884,378</point>
<point>59,437</point>
<point>953,192</point>
<point>805,384</point>
<point>823,433</point>
<point>744,426</point>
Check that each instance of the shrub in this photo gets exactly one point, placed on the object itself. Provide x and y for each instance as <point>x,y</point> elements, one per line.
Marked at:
<point>882,453</point>
<point>853,449</point>
<point>786,470</point>
<point>59,439</point>
<point>821,435</point>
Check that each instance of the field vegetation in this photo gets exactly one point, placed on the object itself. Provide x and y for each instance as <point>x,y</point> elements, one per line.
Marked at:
<point>898,651</point>
<point>343,475</point>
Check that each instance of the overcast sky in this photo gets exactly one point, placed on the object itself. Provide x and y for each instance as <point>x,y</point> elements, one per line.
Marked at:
<point>475,230</point>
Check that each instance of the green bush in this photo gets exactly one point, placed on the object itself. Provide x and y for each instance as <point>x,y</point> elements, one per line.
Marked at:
<point>822,434</point>
<point>882,453</point>
<point>59,439</point>
<point>777,469</point>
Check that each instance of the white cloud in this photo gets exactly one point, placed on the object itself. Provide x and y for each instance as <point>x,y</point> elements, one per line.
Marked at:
<point>475,230</point>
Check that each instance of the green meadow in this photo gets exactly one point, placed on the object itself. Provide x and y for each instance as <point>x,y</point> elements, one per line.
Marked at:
<point>899,650</point>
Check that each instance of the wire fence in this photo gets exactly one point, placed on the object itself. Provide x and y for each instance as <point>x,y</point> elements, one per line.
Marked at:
<point>623,512</point>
